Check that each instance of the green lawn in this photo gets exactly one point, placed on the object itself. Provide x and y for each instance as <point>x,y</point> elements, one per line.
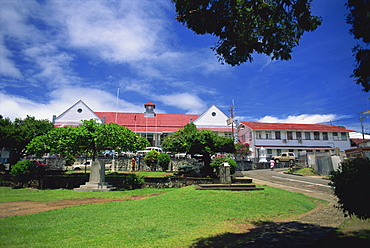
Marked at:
<point>174,219</point>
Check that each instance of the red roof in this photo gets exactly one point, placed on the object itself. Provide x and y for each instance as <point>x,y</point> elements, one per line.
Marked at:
<point>294,127</point>
<point>359,140</point>
<point>160,123</point>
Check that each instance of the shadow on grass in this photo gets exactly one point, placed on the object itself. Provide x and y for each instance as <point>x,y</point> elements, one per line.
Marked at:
<point>284,235</point>
<point>358,239</point>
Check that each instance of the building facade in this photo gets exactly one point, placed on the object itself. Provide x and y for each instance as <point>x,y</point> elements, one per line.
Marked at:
<point>274,137</point>
<point>155,127</point>
<point>284,137</point>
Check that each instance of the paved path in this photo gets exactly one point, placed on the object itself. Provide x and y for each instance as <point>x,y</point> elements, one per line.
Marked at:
<point>308,228</point>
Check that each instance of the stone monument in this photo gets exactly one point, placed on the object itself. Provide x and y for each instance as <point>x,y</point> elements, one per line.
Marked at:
<point>97,180</point>
<point>263,155</point>
<point>225,177</point>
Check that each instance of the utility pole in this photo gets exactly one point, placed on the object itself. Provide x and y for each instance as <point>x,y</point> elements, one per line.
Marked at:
<point>362,124</point>
<point>231,121</point>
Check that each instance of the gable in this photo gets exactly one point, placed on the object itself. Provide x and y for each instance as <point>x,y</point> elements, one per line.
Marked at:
<point>75,114</point>
<point>212,117</point>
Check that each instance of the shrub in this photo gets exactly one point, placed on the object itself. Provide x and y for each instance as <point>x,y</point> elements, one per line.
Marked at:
<point>164,161</point>
<point>133,181</point>
<point>23,171</point>
<point>217,161</point>
<point>151,159</point>
<point>351,187</point>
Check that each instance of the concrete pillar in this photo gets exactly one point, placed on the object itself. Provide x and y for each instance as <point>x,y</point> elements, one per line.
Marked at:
<point>225,177</point>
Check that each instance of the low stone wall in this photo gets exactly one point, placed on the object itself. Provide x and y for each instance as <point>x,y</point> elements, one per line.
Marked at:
<point>176,182</point>
<point>74,181</point>
<point>123,164</point>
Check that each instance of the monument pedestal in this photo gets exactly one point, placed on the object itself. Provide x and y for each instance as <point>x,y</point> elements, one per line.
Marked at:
<point>263,155</point>
<point>90,187</point>
<point>96,181</point>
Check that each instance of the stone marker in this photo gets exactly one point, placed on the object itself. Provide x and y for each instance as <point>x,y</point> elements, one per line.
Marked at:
<point>97,180</point>
<point>225,177</point>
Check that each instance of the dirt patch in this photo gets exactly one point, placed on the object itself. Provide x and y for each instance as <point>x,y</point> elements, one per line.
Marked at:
<point>31,207</point>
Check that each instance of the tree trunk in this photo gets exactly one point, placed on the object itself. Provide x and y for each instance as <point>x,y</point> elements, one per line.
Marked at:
<point>207,170</point>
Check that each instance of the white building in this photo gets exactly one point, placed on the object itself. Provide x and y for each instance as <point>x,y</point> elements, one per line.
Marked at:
<point>155,127</point>
<point>285,137</point>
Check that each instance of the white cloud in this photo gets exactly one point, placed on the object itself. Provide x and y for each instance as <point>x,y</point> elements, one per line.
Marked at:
<point>187,101</point>
<point>62,99</point>
<point>191,103</point>
<point>124,31</point>
<point>355,135</point>
<point>304,119</point>
<point>7,67</point>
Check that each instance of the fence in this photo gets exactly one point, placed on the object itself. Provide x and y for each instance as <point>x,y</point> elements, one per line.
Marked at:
<point>123,164</point>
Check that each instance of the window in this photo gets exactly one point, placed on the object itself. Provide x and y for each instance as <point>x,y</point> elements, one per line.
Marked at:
<point>79,110</point>
<point>291,150</point>
<point>335,136</point>
<point>343,135</point>
<point>277,135</point>
<point>268,135</point>
<point>259,135</point>
<point>325,135</point>
<point>307,135</point>
<point>298,135</point>
<point>316,136</point>
<point>278,151</point>
<point>289,135</point>
<point>269,151</point>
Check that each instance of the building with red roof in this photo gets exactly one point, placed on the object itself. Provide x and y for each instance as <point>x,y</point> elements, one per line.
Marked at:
<point>274,137</point>
<point>288,137</point>
<point>155,127</point>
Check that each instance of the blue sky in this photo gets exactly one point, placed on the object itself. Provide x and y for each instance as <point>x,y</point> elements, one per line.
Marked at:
<point>54,53</point>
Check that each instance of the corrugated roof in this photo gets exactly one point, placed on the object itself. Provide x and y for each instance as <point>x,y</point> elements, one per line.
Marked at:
<point>294,127</point>
<point>160,123</point>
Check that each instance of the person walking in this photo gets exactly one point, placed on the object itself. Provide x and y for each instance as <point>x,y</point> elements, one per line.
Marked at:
<point>133,163</point>
<point>272,164</point>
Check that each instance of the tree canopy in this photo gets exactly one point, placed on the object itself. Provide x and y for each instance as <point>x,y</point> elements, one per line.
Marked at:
<point>15,136</point>
<point>90,138</point>
<point>194,141</point>
<point>244,27</point>
<point>359,18</point>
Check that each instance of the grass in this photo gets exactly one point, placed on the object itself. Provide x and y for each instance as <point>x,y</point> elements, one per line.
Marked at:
<point>174,219</point>
<point>352,233</point>
<point>300,170</point>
